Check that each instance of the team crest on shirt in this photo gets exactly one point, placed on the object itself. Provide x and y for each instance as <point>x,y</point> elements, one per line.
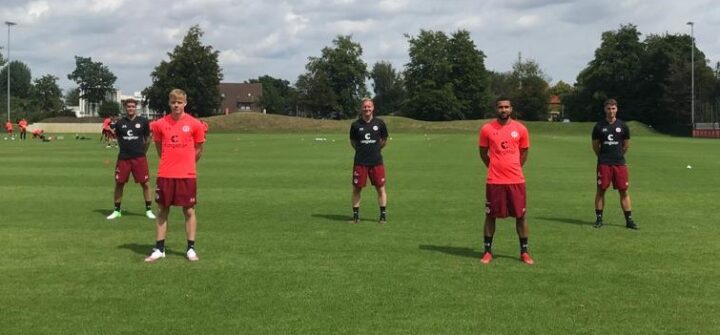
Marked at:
<point>137,125</point>
<point>375,128</point>
<point>514,134</point>
<point>618,129</point>
<point>186,129</point>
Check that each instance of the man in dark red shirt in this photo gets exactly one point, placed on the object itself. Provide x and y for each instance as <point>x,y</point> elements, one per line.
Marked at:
<point>368,135</point>
<point>133,136</point>
<point>610,141</point>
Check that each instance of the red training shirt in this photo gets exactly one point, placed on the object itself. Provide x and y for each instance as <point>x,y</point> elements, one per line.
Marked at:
<point>178,139</point>
<point>504,144</point>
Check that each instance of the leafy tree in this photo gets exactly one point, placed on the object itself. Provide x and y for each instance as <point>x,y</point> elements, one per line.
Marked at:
<point>388,88</point>
<point>93,78</point>
<point>47,96</point>
<point>192,67</point>
<point>340,69</point>
<point>449,69</point>
<point>109,108</point>
<point>72,97</point>
<point>278,95</point>
<point>615,72</point>
<point>530,101</point>
<point>428,79</point>
<point>316,97</point>
<point>20,80</point>
<point>471,80</point>
<point>503,84</point>
<point>561,89</point>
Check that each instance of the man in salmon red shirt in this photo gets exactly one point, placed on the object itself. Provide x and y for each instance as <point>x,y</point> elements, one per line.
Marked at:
<point>22,124</point>
<point>9,128</point>
<point>504,145</point>
<point>179,140</point>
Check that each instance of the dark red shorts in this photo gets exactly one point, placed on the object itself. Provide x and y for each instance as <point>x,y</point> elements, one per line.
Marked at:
<point>138,166</point>
<point>176,192</point>
<point>108,133</point>
<point>617,174</point>
<point>503,200</point>
<point>9,131</point>
<point>362,172</point>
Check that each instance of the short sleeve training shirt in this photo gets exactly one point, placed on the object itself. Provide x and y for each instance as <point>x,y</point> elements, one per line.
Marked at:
<point>368,136</point>
<point>178,139</point>
<point>611,137</point>
<point>131,135</point>
<point>504,143</point>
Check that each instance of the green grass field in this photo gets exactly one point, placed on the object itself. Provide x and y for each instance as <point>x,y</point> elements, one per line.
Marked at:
<point>277,256</point>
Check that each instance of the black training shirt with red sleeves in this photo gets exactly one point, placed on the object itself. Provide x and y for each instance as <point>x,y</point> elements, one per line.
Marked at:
<point>131,135</point>
<point>367,137</point>
<point>611,137</point>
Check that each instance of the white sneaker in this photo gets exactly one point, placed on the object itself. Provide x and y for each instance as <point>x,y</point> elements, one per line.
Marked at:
<point>114,215</point>
<point>150,215</point>
<point>155,255</point>
<point>192,255</point>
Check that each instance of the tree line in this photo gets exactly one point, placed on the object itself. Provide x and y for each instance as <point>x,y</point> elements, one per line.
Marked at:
<point>444,79</point>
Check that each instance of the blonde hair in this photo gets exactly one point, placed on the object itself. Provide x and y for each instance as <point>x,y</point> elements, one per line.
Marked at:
<point>177,94</point>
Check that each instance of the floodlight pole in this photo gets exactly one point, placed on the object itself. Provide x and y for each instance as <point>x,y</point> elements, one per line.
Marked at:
<point>9,24</point>
<point>692,75</point>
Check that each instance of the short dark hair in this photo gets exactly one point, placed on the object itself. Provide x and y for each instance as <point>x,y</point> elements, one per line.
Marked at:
<point>129,100</point>
<point>502,98</point>
<point>611,102</point>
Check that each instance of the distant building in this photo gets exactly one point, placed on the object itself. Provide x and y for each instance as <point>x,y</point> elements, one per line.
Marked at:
<point>240,97</point>
<point>554,108</point>
<point>87,109</point>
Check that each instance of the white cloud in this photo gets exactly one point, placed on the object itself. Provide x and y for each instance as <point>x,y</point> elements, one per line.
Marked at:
<point>470,22</point>
<point>393,5</point>
<point>105,5</point>
<point>38,9</point>
<point>349,27</point>
<point>275,37</point>
<point>527,21</point>
<point>295,23</point>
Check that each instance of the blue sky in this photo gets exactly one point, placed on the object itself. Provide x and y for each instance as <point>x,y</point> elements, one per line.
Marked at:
<point>271,37</point>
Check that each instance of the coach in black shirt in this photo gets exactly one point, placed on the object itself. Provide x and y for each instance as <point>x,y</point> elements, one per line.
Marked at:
<point>610,141</point>
<point>368,135</point>
<point>133,133</point>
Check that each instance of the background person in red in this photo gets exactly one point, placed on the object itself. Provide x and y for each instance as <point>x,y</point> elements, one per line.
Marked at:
<point>368,135</point>
<point>22,124</point>
<point>504,145</point>
<point>179,142</point>
<point>105,132</point>
<point>133,133</point>
<point>610,141</point>
<point>9,128</point>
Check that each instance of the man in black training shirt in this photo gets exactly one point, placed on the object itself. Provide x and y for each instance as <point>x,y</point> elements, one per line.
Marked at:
<point>610,141</point>
<point>368,135</point>
<point>132,133</point>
